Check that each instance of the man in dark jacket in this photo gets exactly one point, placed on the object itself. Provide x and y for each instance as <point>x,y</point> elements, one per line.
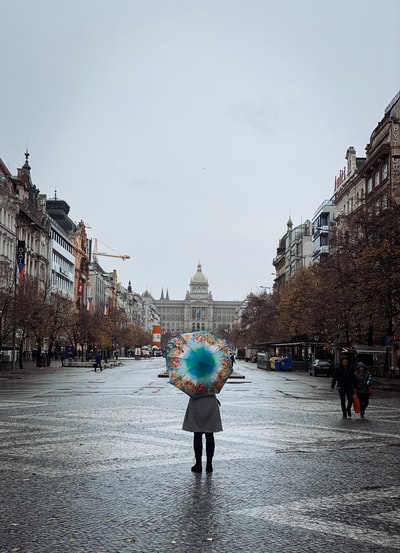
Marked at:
<point>343,376</point>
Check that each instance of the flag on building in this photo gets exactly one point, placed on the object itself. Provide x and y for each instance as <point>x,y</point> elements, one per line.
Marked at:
<point>20,261</point>
<point>80,288</point>
<point>106,309</point>
<point>89,304</point>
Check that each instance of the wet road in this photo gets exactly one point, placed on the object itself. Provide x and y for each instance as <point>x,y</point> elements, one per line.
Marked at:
<point>97,462</point>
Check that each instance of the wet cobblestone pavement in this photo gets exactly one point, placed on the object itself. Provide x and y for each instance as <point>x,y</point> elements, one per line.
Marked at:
<point>97,462</point>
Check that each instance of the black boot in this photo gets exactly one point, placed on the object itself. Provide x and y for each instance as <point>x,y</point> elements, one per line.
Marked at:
<point>209,467</point>
<point>197,467</point>
<point>198,451</point>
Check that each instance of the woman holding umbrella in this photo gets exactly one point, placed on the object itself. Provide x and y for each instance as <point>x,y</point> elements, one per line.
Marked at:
<point>203,417</point>
<point>199,364</point>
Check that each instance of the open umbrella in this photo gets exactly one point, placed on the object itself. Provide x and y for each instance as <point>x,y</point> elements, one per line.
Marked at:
<point>198,363</point>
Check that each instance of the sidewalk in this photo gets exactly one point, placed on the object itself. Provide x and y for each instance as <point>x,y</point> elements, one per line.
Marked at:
<point>30,367</point>
<point>386,384</point>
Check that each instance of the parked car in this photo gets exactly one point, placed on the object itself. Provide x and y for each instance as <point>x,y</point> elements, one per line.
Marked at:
<point>321,366</point>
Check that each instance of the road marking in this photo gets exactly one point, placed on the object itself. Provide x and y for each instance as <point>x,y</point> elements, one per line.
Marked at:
<point>319,515</point>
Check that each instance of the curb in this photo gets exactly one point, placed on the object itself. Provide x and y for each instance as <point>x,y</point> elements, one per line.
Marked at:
<point>233,375</point>
<point>236,375</point>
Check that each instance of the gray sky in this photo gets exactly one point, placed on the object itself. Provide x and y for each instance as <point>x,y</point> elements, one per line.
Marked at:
<point>187,131</point>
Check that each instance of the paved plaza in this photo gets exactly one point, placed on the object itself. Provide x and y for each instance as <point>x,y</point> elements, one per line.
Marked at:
<point>97,462</point>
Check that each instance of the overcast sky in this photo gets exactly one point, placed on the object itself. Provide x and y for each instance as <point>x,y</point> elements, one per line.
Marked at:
<point>183,131</point>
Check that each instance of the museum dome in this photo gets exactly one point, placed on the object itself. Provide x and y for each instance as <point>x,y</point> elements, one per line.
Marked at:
<point>199,276</point>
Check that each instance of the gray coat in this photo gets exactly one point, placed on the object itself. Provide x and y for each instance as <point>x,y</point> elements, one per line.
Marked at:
<point>202,415</point>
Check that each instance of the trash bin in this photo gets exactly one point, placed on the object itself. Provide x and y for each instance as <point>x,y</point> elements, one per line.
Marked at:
<point>272,362</point>
<point>278,365</point>
<point>286,364</point>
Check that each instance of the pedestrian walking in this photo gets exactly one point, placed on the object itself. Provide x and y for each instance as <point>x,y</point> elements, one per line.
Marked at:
<point>203,417</point>
<point>362,383</point>
<point>343,376</point>
<point>97,364</point>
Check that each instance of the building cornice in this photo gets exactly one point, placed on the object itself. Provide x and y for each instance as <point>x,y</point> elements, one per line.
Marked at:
<point>375,159</point>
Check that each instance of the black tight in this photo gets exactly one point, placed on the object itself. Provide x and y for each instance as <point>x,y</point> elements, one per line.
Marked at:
<point>364,400</point>
<point>198,444</point>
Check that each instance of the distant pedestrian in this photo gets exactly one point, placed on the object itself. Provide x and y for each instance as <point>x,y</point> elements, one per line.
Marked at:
<point>232,359</point>
<point>362,382</point>
<point>97,364</point>
<point>203,417</point>
<point>343,376</point>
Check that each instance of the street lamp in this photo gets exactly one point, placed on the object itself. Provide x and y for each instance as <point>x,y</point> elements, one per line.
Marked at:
<point>14,329</point>
<point>18,273</point>
<point>264,288</point>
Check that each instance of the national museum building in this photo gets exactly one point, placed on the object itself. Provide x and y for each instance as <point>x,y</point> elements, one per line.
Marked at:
<point>198,311</point>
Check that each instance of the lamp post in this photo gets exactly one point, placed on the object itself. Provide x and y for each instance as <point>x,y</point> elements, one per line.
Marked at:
<point>265,288</point>
<point>14,273</point>
<point>14,329</point>
<point>18,276</point>
<point>19,273</point>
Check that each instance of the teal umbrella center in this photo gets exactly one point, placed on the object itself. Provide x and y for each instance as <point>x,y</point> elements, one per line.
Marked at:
<point>201,363</point>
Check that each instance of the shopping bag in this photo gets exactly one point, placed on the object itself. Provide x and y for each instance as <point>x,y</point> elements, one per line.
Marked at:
<point>356,404</point>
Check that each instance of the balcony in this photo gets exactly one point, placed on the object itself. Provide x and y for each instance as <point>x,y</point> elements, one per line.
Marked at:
<point>321,250</point>
<point>324,204</point>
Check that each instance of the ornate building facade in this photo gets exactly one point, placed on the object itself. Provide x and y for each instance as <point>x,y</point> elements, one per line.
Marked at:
<point>294,252</point>
<point>69,244</point>
<point>24,224</point>
<point>198,311</point>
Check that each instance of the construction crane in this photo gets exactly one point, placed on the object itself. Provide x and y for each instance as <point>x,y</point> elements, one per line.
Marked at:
<point>95,253</point>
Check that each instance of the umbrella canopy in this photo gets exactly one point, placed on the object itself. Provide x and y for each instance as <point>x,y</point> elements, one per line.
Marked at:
<point>198,363</point>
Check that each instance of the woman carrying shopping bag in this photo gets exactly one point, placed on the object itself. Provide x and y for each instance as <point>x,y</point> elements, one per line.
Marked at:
<point>362,382</point>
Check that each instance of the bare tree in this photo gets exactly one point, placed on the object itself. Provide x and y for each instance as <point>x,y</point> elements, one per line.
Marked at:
<point>257,322</point>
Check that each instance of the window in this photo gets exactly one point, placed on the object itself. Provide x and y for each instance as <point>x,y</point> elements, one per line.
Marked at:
<point>369,185</point>
<point>384,171</point>
<point>377,178</point>
<point>324,220</point>
<point>324,240</point>
<point>198,313</point>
